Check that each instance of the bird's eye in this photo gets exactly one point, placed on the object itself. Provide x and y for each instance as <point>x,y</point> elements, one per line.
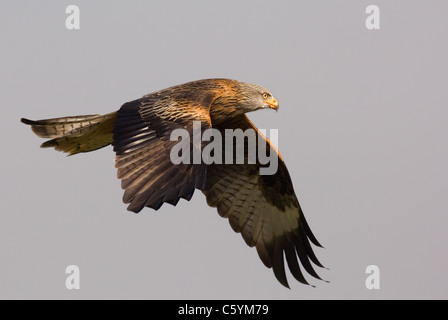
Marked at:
<point>265,95</point>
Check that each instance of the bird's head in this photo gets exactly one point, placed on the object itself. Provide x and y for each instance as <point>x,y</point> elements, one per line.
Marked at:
<point>256,97</point>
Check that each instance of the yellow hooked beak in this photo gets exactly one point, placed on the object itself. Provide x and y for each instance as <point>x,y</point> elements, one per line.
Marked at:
<point>272,103</point>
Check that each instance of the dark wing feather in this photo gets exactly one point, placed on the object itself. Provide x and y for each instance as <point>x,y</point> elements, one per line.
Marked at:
<point>142,145</point>
<point>265,210</point>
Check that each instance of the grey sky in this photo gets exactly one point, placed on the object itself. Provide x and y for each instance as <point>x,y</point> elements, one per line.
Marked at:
<point>362,128</point>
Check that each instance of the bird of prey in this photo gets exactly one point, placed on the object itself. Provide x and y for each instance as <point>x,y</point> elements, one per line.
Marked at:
<point>263,208</point>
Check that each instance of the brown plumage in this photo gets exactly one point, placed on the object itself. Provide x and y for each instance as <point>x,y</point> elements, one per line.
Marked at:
<point>263,208</point>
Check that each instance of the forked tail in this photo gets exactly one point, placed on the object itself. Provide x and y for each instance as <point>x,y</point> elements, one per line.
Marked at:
<point>77,134</point>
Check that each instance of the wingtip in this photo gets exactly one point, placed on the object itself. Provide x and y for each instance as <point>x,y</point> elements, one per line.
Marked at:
<point>284,284</point>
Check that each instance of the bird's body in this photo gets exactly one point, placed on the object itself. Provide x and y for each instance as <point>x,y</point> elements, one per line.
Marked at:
<point>263,208</point>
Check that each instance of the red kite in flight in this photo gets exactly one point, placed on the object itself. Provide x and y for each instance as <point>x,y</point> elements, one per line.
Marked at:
<point>263,208</point>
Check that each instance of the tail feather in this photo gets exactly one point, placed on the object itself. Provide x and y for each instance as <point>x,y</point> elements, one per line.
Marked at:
<point>58,127</point>
<point>77,134</point>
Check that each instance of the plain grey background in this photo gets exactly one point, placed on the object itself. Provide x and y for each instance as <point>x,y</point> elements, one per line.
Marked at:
<point>362,128</point>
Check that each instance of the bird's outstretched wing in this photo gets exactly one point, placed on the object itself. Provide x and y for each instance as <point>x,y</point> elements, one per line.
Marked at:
<point>264,209</point>
<point>142,144</point>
